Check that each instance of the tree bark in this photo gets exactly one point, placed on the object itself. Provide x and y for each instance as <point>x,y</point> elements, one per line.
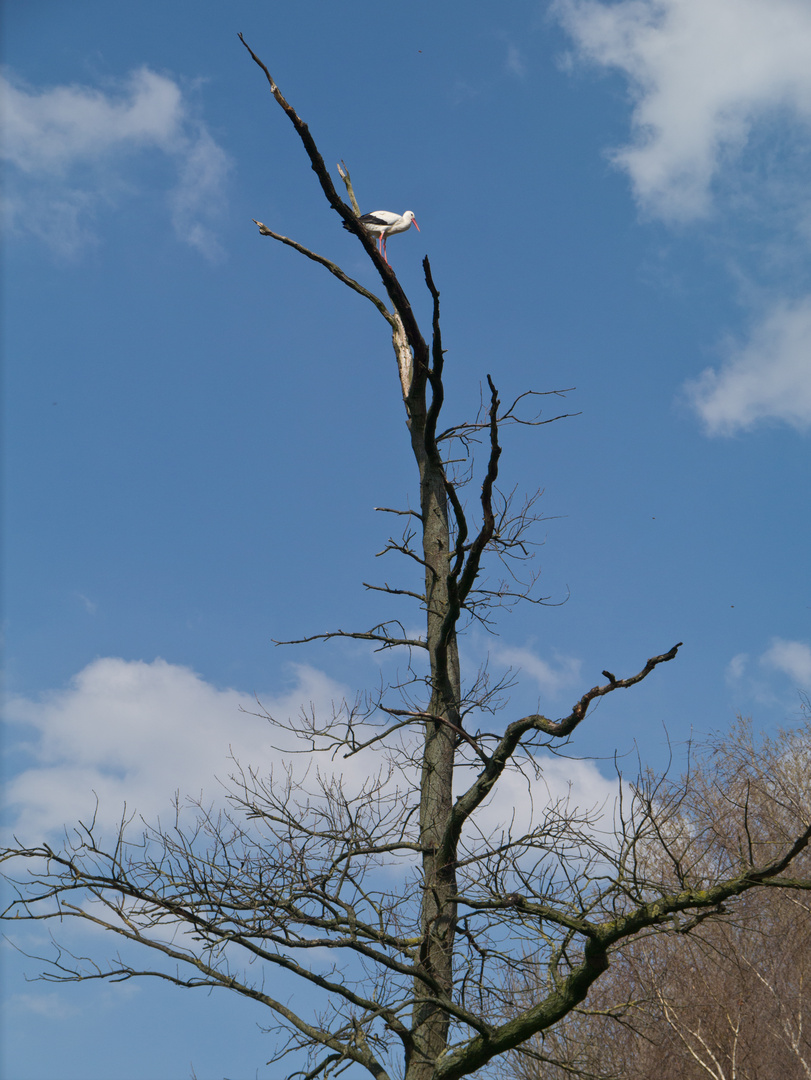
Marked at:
<point>438,908</point>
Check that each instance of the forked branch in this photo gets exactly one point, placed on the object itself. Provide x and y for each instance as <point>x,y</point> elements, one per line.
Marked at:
<point>503,753</point>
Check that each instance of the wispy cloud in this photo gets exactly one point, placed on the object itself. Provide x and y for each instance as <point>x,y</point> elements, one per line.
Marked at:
<point>194,202</point>
<point>51,1004</point>
<point>551,676</point>
<point>768,378</point>
<point>702,74</point>
<point>515,61</point>
<point>73,152</point>
<point>737,666</point>
<point>90,606</point>
<point>776,675</point>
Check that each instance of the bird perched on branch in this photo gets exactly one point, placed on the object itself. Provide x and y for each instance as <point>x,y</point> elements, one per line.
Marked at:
<point>383,224</point>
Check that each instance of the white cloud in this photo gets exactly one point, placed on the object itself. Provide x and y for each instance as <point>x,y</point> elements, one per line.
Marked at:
<point>736,667</point>
<point>522,797</point>
<point>780,671</point>
<point>49,130</point>
<point>768,378</point>
<point>135,733</point>
<point>72,152</point>
<point>702,74</point>
<point>551,677</point>
<point>721,93</point>
<point>792,658</point>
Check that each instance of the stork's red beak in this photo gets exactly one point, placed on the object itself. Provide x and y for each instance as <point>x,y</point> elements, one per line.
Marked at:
<point>416,226</point>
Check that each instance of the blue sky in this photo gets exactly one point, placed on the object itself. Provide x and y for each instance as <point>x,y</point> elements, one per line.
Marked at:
<point>199,423</point>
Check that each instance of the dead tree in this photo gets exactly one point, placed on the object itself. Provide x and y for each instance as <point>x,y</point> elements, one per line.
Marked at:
<point>428,914</point>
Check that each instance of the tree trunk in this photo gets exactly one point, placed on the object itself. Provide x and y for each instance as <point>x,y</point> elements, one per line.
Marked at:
<point>438,910</point>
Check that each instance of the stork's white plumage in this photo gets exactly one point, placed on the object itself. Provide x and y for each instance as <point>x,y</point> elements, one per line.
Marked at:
<point>383,224</point>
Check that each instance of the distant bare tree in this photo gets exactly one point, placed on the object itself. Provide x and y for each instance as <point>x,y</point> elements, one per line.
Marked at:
<point>731,999</point>
<point>431,916</point>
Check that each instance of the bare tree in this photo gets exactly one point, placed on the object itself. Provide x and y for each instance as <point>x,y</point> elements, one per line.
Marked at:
<point>430,914</point>
<point>729,1000</point>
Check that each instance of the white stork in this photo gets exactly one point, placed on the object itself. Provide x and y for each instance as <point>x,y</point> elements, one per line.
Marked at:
<point>383,224</point>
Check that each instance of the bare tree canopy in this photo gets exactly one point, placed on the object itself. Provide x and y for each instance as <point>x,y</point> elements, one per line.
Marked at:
<point>729,1000</point>
<point>410,924</point>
